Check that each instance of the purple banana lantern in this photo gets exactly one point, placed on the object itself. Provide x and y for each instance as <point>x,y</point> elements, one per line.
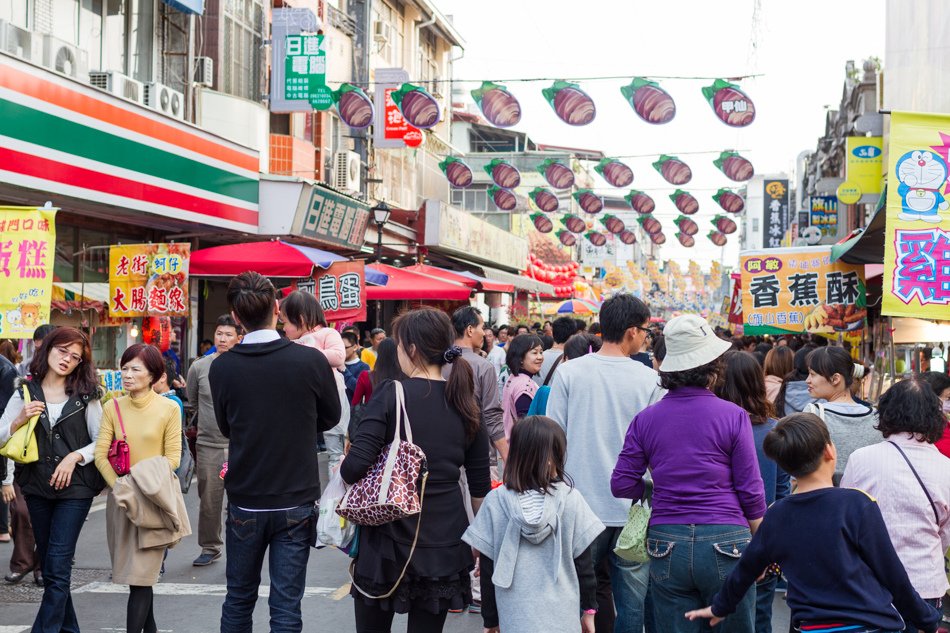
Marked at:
<point>418,107</point>
<point>503,173</point>
<point>571,104</point>
<point>729,200</point>
<point>724,224</point>
<point>734,166</point>
<point>566,238</point>
<point>641,202</point>
<point>542,222</point>
<point>627,236</point>
<point>686,225</point>
<point>685,202</point>
<point>504,199</point>
<point>614,172</point>
<point>673,170</point>
<point>731,105</point>
<point>354,107</point>
<point>573,223</point>
<point>717,238</point>
<point>650,102</point>
<point>457,172</point>
<point>557,174</point>
<point>613,224</point>
<point>650,224</point>
<point>589,201</point>
<point>658,238</point>
<point>595,238</point>
<point>686,240</point>
<point>499,106</point>
<point>544,199</point>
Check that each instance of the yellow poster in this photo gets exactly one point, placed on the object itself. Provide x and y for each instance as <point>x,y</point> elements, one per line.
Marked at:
<point>864,164</point>
<point>148,280</point>
<point>27,249</point>
<point>917,230</point>
<point>793,290</point>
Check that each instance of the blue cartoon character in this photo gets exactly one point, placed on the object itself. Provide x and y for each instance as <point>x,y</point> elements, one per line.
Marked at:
<point>922,176</point>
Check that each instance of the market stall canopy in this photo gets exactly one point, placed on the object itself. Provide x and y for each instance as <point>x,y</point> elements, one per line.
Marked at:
<point>864,246</point>
<point>69,295</point>
<point>468,279</point>
<point>908,330</point>
<point>519,281</point>
<point>275,258</point>
<point>572,306</point>
<point>403,284</point>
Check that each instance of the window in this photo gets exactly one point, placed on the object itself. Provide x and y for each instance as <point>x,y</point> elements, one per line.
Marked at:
<point>391,49</point>
<point>243,21</point>
<point>140,28</point>
<point>66,20</point>
<point>90,31</point>
<point>16,12</point>
<point>755,225</point>
<point>113,39</point>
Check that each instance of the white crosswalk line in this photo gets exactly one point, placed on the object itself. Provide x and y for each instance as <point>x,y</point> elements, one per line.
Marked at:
<point>188,589</point>
<point>15,628</point>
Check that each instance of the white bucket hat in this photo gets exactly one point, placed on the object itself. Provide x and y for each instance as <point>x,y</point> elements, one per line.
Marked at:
<point>691,342</point>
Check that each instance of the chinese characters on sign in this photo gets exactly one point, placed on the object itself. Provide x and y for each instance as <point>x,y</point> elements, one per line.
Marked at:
<point>824,215</point>
<point>917,224</point>
<point>335,219</point>
<point>149,280</point>
<point>775,212</point>
<point>394,131</point>
<point>305,71</point>
<point>793,290</point>
<point>27,245</point>
<point>341,290</point>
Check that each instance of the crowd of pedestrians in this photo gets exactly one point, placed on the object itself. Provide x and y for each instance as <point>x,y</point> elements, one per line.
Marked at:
<point>541,449</point>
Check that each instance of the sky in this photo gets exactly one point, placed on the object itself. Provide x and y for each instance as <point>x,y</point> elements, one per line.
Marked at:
<point>799,48</point>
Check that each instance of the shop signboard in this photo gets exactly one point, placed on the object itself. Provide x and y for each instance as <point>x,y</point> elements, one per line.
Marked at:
<point>775,202</point>
<point>917,225</point>
<point>824,215</point>
<point>341,290</point>
<point>393,132</point>
<point>735,304</point>
<point>794,290</point>
<point>334,218</point>
<point>27,249</point>
<point>864,163</point>
<point>305,71</point>
<point>149,280</point>
<point>286,22</point>
<point>467,236</point>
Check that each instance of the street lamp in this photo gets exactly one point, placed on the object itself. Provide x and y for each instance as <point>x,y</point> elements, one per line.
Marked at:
<point>380,216</point>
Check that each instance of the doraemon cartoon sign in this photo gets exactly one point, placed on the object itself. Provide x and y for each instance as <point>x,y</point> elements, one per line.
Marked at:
<point>922,176</point>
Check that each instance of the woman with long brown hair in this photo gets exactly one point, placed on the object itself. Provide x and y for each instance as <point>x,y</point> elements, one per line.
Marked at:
<point>444,418</point>
<point>59,487</point>
<point>779,362</point>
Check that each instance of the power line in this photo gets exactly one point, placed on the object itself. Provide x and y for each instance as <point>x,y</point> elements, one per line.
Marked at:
<point>512,80</point>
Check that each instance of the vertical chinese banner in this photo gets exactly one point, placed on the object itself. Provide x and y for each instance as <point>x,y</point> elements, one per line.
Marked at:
<point>794,290</point>
<point>341,290</point>
<point>917,224</point>
<point>148,280</point>
<point>824,215</point>
<point>27,247</point>
<point>775,212</point>
<point>305,71</point>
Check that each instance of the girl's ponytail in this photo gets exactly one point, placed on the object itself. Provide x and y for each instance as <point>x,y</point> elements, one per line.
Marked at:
<point>459,391</point>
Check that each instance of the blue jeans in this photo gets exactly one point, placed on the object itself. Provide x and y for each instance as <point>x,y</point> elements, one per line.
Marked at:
<point>56,526</point>
<point>287,536</point>
<point>628,582</point>
<point>764,595</point>
<point>688,566</point>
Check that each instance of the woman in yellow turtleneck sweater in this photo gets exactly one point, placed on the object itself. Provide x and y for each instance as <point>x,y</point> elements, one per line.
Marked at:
<point>152,428</point>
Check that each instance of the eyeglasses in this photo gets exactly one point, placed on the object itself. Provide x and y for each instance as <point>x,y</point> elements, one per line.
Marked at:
<point>642,329</point>
<point>65,353</point>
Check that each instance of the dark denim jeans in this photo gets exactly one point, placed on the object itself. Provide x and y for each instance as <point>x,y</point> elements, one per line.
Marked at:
<point>628,581</point>
<point>56,527</point>
<point>285,535</point>
<point>688,566</point>
<point>764,595</point>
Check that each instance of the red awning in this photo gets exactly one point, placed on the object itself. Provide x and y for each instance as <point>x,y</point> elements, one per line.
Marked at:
<point>275,258</point>
<point>466,279</point>
<point>404,284</point>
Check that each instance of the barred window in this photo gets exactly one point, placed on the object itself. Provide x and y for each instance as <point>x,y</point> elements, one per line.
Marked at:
<point>242,55</point>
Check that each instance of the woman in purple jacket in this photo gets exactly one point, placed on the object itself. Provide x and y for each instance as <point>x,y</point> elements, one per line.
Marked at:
<point>708,495</point>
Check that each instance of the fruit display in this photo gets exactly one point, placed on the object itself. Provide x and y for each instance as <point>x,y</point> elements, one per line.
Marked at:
<point>650,102</point>
<point>544,199</point>
<point>557,174</point>
<point>542,222</point>
<point>614,172</point>
<point>457,172</point>
<point>573,223</point>
<point>498,106</point>
<point>640,201</point>
<point>589,201</point>
<point>613,224</point>
<point>418,107</point>
<point>596,238</point>
<point>650,224</point>
<point>729,201</point>
<point>734,166</point>
<point>571,104</point>
<point>503,173</point>
<point>685,202</point>
<point>730,103</point>
<point>717,238</point>
<point>724,224</point>
<point>627,236</point>
<point>673,170</point>
<point>504,199</point>
<point>567,238</point>
<point>353,106</point>
<point>686,225</point>
<point>836,317</point>
<point>686,240</point>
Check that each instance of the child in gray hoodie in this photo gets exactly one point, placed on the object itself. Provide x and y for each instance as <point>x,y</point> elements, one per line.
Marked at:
<point>534,535</point>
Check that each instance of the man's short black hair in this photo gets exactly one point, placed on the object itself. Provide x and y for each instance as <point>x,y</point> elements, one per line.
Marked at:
<point>620,313</point>
<point>563,328</point>
<point>463,318</point>
<point>42,332</point>
<point>911,406</point>
<point>375,331</point>
<point>226,320</point>
<point>797,443</point>
<point>252,298</point>
<point>350,337</point>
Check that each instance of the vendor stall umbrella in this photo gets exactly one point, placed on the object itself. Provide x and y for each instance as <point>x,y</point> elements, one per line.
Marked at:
<point>576,306</point>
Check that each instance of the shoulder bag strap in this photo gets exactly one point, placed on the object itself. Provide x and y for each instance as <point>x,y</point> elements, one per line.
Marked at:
<point>821,410</point>
<point>394,446</point>
<point>933,506</point>
<point>118,412</point>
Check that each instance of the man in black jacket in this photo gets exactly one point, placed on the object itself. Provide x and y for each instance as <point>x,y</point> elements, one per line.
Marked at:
<point>271,399</point>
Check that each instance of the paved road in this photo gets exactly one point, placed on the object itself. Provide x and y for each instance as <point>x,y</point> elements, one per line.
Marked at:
<point>188,600</point>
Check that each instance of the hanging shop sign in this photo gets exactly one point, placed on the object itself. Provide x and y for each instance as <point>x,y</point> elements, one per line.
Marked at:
<point>735,303</point>
<point>284,22</point>
<point>305,71</point>
<point>333,218</point>
<point>794,290</point>
<point>391,133</point>
<point>824,215</point>
<point>341,289</point>
<point>27,249</point>
<point>917,224</point>
<point>149,280</point>
<point>864,163</point>
<point>467,236</point>
<point>775,212</point>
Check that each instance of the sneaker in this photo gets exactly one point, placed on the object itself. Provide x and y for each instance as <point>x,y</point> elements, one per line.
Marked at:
<point>456,610</point>
<point>206,558</point>
<point>476,607</point>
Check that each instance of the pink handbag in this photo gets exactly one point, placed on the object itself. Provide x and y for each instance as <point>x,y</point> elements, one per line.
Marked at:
<point>119,450</point>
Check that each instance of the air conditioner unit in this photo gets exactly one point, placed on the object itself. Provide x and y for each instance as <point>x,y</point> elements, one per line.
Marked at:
<point>381,31</point>
<point>167,101</point>
<point>346,172</point>
<point>65,58</point>
<point>18,42</point>
<point>118,84</point>
<point>204,71</point>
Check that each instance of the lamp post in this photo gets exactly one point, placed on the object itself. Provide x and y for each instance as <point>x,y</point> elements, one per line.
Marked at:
<point>380,216</point>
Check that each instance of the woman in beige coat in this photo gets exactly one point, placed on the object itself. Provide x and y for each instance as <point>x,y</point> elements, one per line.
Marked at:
<point>151,425</point>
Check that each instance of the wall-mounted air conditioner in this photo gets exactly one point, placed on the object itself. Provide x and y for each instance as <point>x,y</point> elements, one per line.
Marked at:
<point>65,58</point>
<point>18,42</point>
<point>346,171</point>
<point>381,31</point>
<point>167,101</point>
<point>204,71</point>
<point>118,84</point>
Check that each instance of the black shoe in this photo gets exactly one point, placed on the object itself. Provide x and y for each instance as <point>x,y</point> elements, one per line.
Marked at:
<point>37,578</point>
<point>206,558</point>
<point>16,576</point>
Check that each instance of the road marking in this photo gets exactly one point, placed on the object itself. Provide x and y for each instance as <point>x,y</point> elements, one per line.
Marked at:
<point>339,594</point>
<point>188,589</point>
<point>15,628</point>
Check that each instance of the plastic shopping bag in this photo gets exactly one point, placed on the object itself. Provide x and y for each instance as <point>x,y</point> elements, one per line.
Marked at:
<point>332,529</point>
